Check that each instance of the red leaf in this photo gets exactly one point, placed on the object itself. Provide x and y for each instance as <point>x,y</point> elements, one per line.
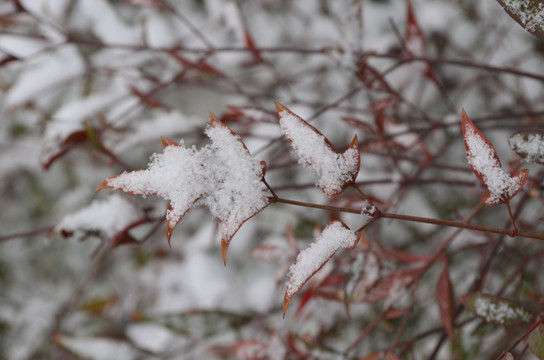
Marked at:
<point>354,122</point>
<point>444,299</point>
<point>372,79</point>
<point>72,140</point>
<point>336,235</point>
<point>251,45</point>
<point>400,255</point>
<point>201,64</point>
<point>485,163</point>
<point>415,41</point>
<point>147,99</point>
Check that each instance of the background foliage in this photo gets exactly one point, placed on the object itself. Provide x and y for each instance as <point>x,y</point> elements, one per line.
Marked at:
<point>89,87</point>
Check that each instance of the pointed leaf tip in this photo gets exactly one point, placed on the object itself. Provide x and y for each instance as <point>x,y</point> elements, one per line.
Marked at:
<point>169,232</point>
<point>214,121</point>
<point>168,142</point>
<point>224,249</point>
<point>103,185</point>
<point>286,302</point>
<point>354,143</point>
<point>280,107</point>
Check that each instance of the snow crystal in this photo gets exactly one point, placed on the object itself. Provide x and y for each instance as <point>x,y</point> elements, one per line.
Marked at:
<point>108,216</point>
<point>309,260</point>
<point>223,174</point>
<point>333,170</point>
<point>496,311</point>
<point>481,156</point>
<point>529,146</point>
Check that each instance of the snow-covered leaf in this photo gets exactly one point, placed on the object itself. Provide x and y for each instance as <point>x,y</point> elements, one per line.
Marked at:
<point>151,337</point>
<point>95,348</point>
<point>334,171</point>
<point>222,175</point>
<point>444,299</point>
<point>485,163</point>
<point>495,309</point>
<point>536,342</point>
<point>527,13</point>
<point>335,236</point>
<point>110,218</point>
<point>529,145</point>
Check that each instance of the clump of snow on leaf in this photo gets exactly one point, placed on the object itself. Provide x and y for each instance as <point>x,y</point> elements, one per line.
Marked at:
<point>237,187</point>
<point>333,170</point>
<point>497,311</point>
<point>223,174</point>
<point>108,216</point>
<point>334,237</point>
<point>176,175</point>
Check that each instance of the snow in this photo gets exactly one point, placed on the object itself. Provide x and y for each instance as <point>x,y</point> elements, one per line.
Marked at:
<point>109,216</point>
<point>222,174</point>
<point>482,157</point>
<point>333,170</point>
<point>150,337</point>
<point>98,348</point>
<point>45,72</point>
<point>107,25</point>
<point>529,13</point>
<point>19,46</point>
<point>529,146</point>
<point>160,123</point>
<point>334,237</point>
<point>497,311</point>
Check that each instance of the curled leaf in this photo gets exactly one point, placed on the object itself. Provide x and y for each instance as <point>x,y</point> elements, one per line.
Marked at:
<point>485,163</point>
<point>335,236</point>
<point>334,171</point>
